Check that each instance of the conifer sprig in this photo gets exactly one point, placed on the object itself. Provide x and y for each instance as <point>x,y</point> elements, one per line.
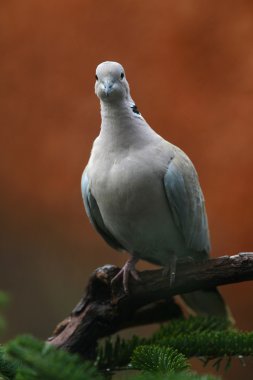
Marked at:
<point>7,367</point>
<point>4,299</point>
<point>38,361</point>
<point>207,337</point>
<point>160,360</point>
<point>160,357</point>
<point>174,376</point>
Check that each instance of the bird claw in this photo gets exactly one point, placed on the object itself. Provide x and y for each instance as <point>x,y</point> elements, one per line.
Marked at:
<point>172,278</point>
<point>127,270</point>
<point>171,271</point>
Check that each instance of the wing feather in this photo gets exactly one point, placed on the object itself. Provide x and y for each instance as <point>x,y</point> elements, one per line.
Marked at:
<point>94,215</point>
<point>187,203</point>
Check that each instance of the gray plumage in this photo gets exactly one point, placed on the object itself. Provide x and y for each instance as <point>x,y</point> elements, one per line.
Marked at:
<point>141,193</point>
<point>94,215</point>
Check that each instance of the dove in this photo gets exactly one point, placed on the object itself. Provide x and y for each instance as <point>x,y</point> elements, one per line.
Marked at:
<point>142,193</point>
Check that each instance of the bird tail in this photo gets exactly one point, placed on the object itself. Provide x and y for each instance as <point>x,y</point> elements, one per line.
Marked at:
<point>206,302</point>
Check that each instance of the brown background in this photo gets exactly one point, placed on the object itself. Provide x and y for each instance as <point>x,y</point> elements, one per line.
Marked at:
<point>190,66</point>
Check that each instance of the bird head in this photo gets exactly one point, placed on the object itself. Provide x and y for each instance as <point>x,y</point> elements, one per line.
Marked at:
<point>111,84</point>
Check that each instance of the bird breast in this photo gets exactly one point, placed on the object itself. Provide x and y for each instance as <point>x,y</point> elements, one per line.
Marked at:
<point>129,191</point>
<point>126,181</point>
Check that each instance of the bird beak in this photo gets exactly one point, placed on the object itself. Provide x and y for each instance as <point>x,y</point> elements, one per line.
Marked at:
<point>108,87</point>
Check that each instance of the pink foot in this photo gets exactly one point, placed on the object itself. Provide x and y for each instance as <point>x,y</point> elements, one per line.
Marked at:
<point>127,270</point>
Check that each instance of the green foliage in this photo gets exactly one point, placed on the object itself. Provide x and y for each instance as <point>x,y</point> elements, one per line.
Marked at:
<point>4,299</point>
<point>7,367</point>
<point>193,325</point>
<point>163,363</point>
<point>174,376</point>
<point>114,353</point>
<point>41,361</point>
<point>160,357</point>
<point>220,343</point>
<point>3,303</point>
<point>190,337</point>
<point>161,360</point>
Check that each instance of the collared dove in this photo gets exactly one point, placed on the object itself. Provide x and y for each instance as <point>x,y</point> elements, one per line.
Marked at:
<point>141,193</point>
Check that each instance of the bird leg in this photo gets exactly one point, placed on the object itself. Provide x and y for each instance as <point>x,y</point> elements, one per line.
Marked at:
<point>170,270</point>
<point>127,270</point>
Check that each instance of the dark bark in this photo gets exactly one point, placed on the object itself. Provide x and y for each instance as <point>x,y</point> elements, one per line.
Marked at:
<point>103,311</point>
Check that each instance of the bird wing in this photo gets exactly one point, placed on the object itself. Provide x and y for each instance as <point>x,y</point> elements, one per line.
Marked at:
<point>187,203</point>
<point>95,217</point>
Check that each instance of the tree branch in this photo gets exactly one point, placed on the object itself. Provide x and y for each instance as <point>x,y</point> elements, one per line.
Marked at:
<point>103,311</point>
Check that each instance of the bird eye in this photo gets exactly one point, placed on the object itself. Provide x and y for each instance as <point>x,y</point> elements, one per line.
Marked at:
<point>122,75</point>
<point>96,77</point>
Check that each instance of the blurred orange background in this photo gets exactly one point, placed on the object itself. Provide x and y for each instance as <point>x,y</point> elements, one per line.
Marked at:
<point>190,68</point>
